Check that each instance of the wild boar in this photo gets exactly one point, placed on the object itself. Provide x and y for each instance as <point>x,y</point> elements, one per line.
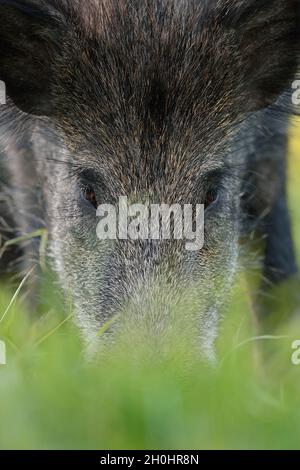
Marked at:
<point>161,101</point>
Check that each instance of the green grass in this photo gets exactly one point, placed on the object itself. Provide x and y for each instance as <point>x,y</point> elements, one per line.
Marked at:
<point>52,398</point>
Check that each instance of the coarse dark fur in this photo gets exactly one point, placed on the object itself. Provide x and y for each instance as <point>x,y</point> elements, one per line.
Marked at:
<point>162,101</point>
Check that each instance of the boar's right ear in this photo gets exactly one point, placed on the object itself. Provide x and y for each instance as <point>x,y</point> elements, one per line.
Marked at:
<point>266,34</point>
<point>30,39</point>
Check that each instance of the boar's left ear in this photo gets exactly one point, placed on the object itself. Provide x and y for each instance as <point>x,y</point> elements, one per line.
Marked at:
<point>30,39</point>
<point>266,40</point>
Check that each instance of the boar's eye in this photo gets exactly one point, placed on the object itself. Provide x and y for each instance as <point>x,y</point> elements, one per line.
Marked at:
<point>213,185</point>
<point>90,196</point>
<point>211,198</point>
<point>88,182</point>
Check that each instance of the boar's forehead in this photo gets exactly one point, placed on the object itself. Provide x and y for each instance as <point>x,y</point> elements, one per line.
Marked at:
<point>147,91</point>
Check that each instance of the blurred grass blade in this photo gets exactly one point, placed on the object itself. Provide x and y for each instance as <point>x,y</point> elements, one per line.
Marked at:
<point>24,238</point>
<point>106,326</point>
<point>261,338</point>
<point>54,330</point>
<point>40,233</point>
<point>16,294</point>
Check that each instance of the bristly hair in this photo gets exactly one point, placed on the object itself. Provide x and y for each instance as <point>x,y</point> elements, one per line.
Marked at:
<point>147,67</point>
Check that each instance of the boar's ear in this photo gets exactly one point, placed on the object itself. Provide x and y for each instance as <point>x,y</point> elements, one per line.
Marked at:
<point>29,38</point>
<point>266,35</point>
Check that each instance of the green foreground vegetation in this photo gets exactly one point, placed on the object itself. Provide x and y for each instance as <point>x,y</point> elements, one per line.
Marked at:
<point>52,398</point>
